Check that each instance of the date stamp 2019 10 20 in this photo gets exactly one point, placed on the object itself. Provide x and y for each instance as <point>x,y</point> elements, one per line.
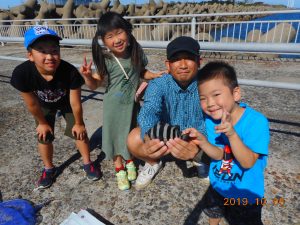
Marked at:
<point>258,201</point>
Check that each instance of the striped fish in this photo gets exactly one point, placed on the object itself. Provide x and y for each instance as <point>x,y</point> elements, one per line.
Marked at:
<point>164,132</point>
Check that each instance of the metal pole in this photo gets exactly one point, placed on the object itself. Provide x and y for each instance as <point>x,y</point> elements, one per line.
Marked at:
<point>193,27</point>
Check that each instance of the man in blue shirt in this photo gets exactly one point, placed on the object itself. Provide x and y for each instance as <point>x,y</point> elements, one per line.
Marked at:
<point>173,99</point>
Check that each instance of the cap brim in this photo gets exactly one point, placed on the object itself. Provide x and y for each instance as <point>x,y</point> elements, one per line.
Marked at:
<point>45,35</point>
<point>172,53</point>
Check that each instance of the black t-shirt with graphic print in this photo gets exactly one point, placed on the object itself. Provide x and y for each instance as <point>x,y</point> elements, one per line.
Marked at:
<point>54,94</point>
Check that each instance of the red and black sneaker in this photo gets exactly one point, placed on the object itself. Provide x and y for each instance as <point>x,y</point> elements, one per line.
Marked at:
<point>47,178</point>
<point>92,172</point>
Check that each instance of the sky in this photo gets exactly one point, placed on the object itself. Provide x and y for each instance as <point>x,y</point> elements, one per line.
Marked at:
<point>5,4</point>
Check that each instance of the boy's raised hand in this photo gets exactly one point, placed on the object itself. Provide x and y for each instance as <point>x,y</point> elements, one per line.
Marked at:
<point>226,126</point>
<point>86,69</point>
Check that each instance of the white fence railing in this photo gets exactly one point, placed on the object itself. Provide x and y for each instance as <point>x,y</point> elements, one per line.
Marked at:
<point>217,32</point>
<point>247,82</point>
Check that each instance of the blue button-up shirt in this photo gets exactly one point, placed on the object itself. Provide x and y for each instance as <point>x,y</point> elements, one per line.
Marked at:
<point>165,101</point>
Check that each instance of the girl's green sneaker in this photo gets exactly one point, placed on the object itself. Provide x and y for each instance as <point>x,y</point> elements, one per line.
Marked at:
<point>123,183</point>
<point>131,171</point>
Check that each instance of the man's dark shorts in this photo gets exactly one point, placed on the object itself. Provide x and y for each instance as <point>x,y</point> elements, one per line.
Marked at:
<point>50,116</point>
<point>214,207</point>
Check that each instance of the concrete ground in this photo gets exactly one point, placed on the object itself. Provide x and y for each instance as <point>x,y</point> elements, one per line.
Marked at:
<point>175,195</point>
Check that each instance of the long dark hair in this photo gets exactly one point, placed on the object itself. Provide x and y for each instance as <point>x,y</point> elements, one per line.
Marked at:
<point>108,22</point>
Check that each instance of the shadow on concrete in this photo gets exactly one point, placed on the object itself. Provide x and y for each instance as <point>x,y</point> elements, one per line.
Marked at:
<point>96,139</point>
<point>285,123</point>
<point>68,162</point>
<point>240,209</point>
<point>187,172</point>
<point>285,132</point>
<point>95,142</point>
<point>194,216</point>
<point>99,217</point>
<point>92,95</point>
<point>3,81</point>
<point>5,77</point>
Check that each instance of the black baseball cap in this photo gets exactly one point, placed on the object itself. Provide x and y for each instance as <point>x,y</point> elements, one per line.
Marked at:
<point>183,44</point>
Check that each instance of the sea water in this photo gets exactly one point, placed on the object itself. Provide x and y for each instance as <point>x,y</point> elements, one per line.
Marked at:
<point>240,31</point>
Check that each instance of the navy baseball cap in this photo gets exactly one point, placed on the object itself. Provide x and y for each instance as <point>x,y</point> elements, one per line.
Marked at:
<point>183,44</point>
<point>37,32</point>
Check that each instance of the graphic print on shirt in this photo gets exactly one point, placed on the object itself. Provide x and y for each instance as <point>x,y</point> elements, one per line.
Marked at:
<point>225,174</point>
<point>50,96</point>
<point>227,161</point>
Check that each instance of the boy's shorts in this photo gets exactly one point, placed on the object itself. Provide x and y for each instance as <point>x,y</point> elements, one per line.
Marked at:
<point>214,207</point>
<point>50,116</point>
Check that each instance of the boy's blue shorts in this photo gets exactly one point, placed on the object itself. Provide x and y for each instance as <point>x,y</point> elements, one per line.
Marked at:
<point>214,207</point>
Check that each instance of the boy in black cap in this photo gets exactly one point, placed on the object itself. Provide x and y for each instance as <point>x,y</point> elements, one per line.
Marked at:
<point>173,99</point>
<point>48,84</point>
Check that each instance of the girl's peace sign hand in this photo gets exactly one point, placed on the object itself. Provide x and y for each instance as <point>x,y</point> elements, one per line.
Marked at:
<point>226,126</point>
<point>86,69</point>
